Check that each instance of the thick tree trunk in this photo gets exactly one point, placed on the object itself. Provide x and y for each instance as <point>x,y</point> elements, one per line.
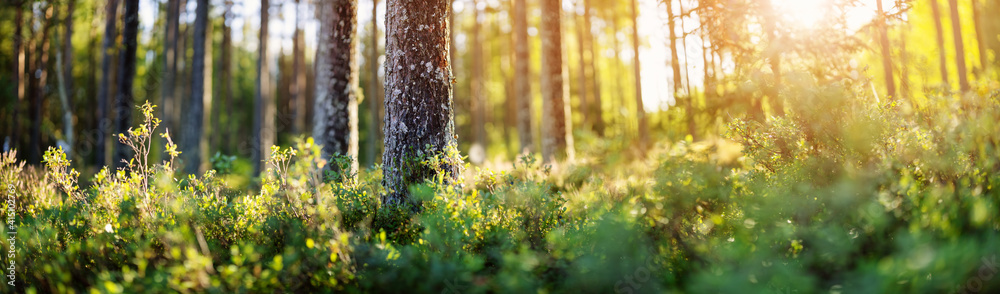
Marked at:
<point>557,140</point>
<point>942,57</point>
<point>639,110</point>
<point>883,38</point>
<point>597,110</point>
<point>418,101</point>
<point>522,88</point>
<point>167,85</point>
<point>956,28</point>
<point>264,113</point>
<point>195,112</point>
<point>126,75</point>
<point>103,92</point>
<point>477,153</point>
<point>374,99</point>
<point>335,125</point>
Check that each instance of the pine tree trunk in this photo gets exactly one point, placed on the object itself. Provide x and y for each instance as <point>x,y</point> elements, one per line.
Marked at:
<point>418,101</point>
<point>335,125</point>
<point>883,37</point>
<point>943,60</point>
<point>126,75</point>
<point>374,99</point>
<point>977,19</point>
<point>264,113</point>
<point>19,75</point>
<point>522,88</point>
<point>557,140</point>
<point>167,84</point>
<point>41,74</point>
<point>956,28</point>
<point>195,113</point>
<point>597,107</point>
<point>477,153</point>
<point>640,111</point>
<point>64,76</point>
<point>103,92</point>
<point>584,107</point>
<point>227,131</point>
<point>298,83</point>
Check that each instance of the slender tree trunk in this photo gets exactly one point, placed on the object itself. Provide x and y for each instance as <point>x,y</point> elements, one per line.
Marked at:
<point>557,141</point>
<point>977,19</point>
<point>584,107</point>
<point>181,70</point>
<point>956,28</point>
<point>675,66</point>
<point>883,37</point>
<point>478,152</point>
<point>774,59</point>
<point>168,83</point>
<point>19,74</point>
<point>226,128</point>
<point>373,101</point>
<point>298,83</point>
<point>335,125</point>
<point>640,111</point>
<point>103,92</point>
<point>418,101</point>
<point>597,105</point>
<point>41,74</point>
<point>616,70</point>
<point>195,112</point>
<point>126,75</point>
<point>64,76</point>
<point>904,61</point>
<point>942,57</point>
<point>522,88</point>
<point>264,113</point>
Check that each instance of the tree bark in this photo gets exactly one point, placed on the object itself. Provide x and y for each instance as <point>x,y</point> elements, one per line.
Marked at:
<point>195,113</point>
<point>477,153</point>
<point>264,113</point>
<point>168,83</point>
<point>956,28</point>
<point>883,37</point>
<point>597,105</point>
<point>335,124</point>
<point>298,83</point>
<point>373,102</point>
<point>522,72</point>
<point>557,141</point>
<point>126,75</point>
<point>418,102</point>
<point>103,92</point>
<point>640,111</point>
<point>942,57</point>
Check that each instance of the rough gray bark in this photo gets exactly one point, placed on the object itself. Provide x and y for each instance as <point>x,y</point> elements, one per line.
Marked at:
<point>126,75</point>
<point>419,109</point>
<point>335,124</point>
<point>264,112</point>
<point>640,111</point>
<point>956,28</point>
<point>103,92</point>
<point>883,38</point>
<point>522,89</point>
<point>194,114</point>
<point>557,141</point>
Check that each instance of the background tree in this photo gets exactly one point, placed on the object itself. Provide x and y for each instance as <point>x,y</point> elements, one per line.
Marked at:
<point>195,112</point>
<point>557,138</point>
<point>640,111</point>
<point>477,152</point>
<point>373,97</point>
<point>335,124</point>
<point>264,112</point>
<point>168,84</point>
<point>419,115</point>
<point>103,94</point>
<point>522,89</point>
<point>883,37</point>
<point>126,76</point>
<point>939,30</point>
<point>956,28</point>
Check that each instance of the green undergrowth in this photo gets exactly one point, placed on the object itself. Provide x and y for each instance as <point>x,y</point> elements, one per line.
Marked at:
<point>842,195</point>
